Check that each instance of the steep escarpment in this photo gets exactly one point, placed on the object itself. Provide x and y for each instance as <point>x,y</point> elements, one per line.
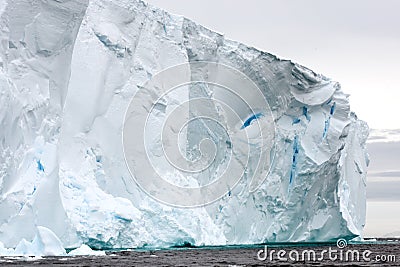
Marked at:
<point>69,71</point>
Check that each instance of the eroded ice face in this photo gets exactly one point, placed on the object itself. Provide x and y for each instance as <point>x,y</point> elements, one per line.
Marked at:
<point>194,130</point>
<point>68,71</point>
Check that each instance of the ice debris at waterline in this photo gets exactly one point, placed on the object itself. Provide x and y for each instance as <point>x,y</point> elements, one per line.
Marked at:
<point>46,243</point>
<point>68,71</point>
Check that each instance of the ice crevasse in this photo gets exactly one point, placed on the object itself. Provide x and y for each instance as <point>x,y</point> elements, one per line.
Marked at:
<point>68,70</point>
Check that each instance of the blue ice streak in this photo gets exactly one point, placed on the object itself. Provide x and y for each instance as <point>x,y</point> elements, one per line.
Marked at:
<point>294,158</point>
<point>296,121</point>
<point>333,108</point>
<point>40,166</point>
<point>305,113</point>
<point>252,118</point>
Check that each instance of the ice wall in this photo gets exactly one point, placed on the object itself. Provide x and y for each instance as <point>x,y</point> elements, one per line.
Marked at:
<point>68,71</point>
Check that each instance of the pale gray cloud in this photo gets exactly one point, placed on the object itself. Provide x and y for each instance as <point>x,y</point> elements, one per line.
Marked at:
<point>384,135</point>
<point>384,191</point>
<point>384,157</point>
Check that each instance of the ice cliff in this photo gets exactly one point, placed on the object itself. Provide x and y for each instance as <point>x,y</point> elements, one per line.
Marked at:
<point>68,72</point>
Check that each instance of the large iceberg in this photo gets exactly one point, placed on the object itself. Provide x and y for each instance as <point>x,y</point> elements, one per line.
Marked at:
<point>68,73</point>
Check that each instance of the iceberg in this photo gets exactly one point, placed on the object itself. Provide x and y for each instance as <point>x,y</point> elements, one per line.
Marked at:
<point>85,250</point>
<point>45,243</point>
<point>76,75</point>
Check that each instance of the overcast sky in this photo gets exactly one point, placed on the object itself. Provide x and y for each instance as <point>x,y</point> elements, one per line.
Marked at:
<point>355,42</point>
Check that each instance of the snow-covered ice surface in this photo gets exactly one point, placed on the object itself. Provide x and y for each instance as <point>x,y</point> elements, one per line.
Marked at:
<point>85,250</point>
<point>68,70</point>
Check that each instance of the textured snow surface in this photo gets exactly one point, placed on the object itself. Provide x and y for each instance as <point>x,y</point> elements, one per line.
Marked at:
<point>68,70</point>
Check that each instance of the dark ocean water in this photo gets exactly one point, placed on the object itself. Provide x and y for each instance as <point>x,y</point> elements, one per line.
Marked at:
<point>384,252</point>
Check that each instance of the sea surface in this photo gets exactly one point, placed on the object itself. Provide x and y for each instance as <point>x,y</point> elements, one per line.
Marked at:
<point>382,252</point>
